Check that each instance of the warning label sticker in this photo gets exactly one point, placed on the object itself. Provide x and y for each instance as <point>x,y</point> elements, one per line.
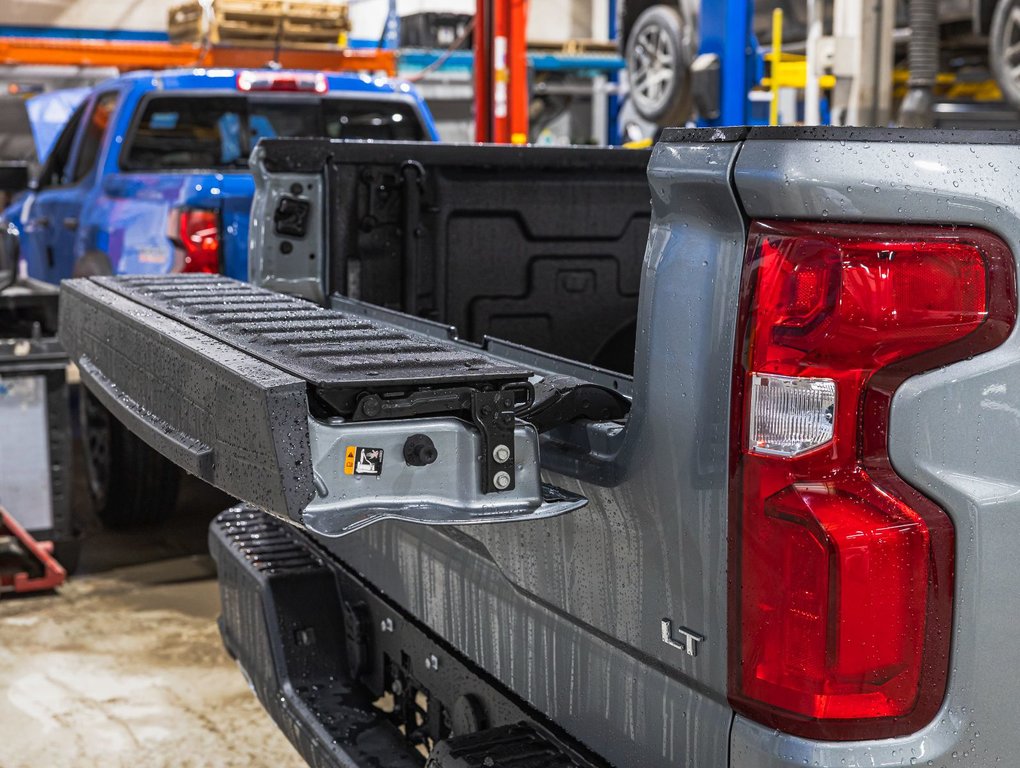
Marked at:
<point>363,461</point>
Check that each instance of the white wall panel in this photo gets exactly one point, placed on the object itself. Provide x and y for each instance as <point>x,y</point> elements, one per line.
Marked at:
<point>548,19</point>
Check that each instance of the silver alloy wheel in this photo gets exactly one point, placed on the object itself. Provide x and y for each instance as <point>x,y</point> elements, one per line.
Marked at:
<point>1011,47</point>
<point>653,69</point>
<point>1004,49</point>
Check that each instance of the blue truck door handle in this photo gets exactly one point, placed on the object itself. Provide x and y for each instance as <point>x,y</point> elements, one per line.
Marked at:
<point>71,222</point>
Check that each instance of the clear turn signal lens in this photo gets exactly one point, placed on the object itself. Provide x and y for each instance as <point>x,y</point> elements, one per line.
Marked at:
<point>790,415</point>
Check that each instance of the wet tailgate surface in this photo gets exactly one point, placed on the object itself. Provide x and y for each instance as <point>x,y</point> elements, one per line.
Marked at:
<point>326,347</point>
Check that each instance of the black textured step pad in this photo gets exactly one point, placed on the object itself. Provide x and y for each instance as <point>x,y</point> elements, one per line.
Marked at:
<point>326,347</point>
<point>281,619</point>
<point>508,746</point>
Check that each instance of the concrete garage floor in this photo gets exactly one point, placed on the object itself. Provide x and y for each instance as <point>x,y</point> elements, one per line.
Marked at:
<point>124,666</point>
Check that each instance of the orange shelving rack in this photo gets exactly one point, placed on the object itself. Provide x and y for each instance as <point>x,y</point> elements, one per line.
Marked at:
<point>129,55</point>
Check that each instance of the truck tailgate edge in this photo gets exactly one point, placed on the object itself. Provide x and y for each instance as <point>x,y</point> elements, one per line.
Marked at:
<point>235,421</point>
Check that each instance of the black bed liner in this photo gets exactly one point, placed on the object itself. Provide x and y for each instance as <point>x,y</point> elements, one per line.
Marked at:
<point>540,245</point>
<point>325,347</point>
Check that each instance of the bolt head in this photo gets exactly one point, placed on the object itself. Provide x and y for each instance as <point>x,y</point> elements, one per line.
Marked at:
<point>501,453</point>
<point>501,480</point>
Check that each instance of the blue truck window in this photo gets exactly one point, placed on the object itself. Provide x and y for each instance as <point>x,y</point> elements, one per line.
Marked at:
<point>178,132</point>
<point>393,121</point>
<point>272,119</point>
<point>231,144</point>
<point>96,126</point>
<point>52,173</point>
<point>218,131</point>
<point>163,121</point>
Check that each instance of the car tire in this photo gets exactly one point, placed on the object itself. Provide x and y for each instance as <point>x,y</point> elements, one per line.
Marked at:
<point>93,263</point>
<point>1003,35</point>
<point>68,554</point>
<point>658,58</point>
<point>131,485</point>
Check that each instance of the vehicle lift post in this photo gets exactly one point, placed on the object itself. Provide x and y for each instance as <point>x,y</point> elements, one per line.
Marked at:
<point>727,33</point>
<point>501,71</point>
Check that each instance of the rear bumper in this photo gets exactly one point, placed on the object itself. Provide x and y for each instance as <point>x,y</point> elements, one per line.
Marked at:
<point>281,621</point>
<point>318,647</point>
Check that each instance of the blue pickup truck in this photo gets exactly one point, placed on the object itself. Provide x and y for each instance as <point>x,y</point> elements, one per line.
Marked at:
<point>150,176</point>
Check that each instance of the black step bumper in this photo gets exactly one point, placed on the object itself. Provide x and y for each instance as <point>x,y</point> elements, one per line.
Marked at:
<point>282,622</point>
<point>319,646</point>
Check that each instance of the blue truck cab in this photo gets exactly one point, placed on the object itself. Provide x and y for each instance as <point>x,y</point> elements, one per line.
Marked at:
<point>150,174</point>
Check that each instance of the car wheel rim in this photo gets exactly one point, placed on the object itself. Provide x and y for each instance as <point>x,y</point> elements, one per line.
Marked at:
<point>1011,46</point>
<point>653,68</point>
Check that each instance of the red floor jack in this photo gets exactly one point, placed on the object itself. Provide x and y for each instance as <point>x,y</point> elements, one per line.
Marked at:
<point>26,565</point>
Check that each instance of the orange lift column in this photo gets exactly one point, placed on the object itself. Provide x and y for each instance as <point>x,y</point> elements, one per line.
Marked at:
<point>483,70</point>
<point>518,70</point>
<point>501,71</point>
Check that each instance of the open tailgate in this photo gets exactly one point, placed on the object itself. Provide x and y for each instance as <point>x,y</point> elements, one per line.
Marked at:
<point>328,418</point>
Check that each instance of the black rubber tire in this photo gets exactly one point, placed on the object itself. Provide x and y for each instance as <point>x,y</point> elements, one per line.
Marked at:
<point>132,486</point>
<point>672,107</point>
<point>1005,31</point>
<point>68,554</point>
<point>91,264</point>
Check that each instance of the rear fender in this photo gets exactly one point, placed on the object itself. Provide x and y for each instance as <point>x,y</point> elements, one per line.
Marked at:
<point>130,219</point>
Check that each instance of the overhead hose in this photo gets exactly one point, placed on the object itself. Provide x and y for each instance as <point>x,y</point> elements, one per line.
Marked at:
<point>923,56</point>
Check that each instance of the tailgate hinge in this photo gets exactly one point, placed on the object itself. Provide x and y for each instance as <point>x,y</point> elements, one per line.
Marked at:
<point>493,414</point>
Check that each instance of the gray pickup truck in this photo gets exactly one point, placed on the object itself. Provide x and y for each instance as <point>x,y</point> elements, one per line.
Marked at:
<point>784,540</point>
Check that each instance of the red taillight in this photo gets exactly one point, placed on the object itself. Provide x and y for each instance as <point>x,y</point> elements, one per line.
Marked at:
<point>197,234</point>
<point>313,82</point>
<point>841,596</point>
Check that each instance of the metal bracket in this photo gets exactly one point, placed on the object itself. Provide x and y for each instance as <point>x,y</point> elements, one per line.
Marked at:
<point>424,402</point>
<point>687,642</point>
<point>493,414</point>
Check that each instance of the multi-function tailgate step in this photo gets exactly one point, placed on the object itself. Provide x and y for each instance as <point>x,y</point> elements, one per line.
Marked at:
<point>329,418</point>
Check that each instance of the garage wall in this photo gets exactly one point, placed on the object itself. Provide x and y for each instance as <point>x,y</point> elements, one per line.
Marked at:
<point>549,19</point>
<point>108,14</point>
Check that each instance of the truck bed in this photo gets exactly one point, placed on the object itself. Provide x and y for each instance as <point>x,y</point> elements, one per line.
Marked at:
<point>539,245</point>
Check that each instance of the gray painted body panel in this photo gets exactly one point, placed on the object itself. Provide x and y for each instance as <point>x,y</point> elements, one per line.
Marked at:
<point>951,433</point>
<point>568,611</point>
<point>301,271</point>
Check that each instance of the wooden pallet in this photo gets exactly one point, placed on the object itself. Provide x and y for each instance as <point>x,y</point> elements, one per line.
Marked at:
<point>291,23</point>
<point>574,46</point>
<point>185,23</point>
